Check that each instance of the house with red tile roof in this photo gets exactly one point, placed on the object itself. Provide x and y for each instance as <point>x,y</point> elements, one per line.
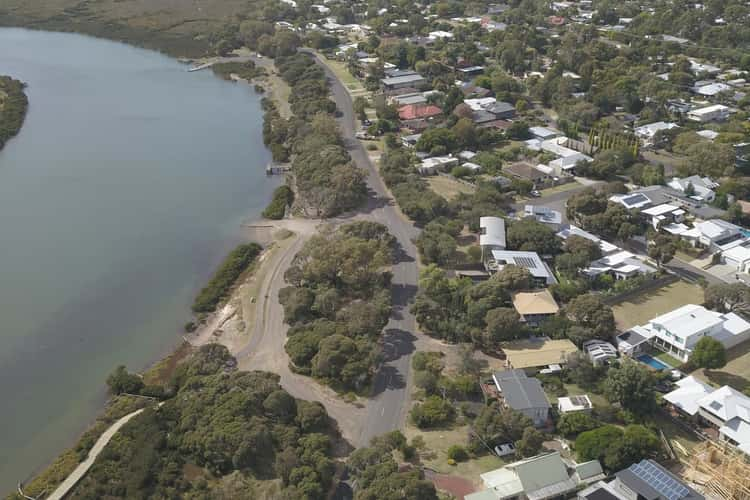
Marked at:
<point>416,111</point>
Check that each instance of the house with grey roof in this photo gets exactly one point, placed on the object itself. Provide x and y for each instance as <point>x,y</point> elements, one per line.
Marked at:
<point>536,478</point>
<point>523,394</point>
<point>405,81</point>
<point>646,480</point>
<point>650,481</point>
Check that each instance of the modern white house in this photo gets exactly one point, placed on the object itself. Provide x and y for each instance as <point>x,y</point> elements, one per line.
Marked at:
<point>715,235</point>
<point>663,215</point>
<point>677,332</point>
<point>738,257</point>
<point>615,261</point>
<point>492,235</point>
<point>725,409</point>
<point>716,112</point>
<point>702,187</point>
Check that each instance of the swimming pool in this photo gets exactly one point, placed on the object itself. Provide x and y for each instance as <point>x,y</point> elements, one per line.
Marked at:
<point>653,362</point>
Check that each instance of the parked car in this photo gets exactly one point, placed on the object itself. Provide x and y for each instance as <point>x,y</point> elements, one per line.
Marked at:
<point>366,122</point>
<point>535,193</point>
<point>505,449</point>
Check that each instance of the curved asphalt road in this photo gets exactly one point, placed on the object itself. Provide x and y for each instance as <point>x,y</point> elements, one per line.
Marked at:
<point>387,408</point>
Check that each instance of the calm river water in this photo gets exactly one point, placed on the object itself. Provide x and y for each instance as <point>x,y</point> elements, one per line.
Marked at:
<point>126,186</point>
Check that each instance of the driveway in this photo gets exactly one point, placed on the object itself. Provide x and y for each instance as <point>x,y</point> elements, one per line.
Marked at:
<point>555,201</point>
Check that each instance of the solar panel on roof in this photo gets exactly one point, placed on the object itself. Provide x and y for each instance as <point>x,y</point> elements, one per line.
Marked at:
<point>659,480</point>
<point>526,262</point>
<point>636,198</point>
<point>580,401</point>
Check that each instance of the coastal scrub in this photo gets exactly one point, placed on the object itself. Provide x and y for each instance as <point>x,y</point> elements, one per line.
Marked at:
<point>13,106</point>
<point>218,288</point>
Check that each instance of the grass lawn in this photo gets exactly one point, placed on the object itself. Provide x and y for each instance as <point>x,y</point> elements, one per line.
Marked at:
<point>638,310</point>
<point>568,186</point>
<point>447,187</point>
<point>735,374</point>
<point>437,443</point>
<point>597,400</point>
<point>340,70</point>
<point>670,360</point>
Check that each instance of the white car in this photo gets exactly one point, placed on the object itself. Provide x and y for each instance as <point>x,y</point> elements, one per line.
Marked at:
<point>505,449</point>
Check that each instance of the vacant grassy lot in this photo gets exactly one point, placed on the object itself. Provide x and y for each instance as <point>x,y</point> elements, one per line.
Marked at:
<point>437,443</point>
<point>642,308</point>
<point>447,187</point>
<point>342,72</point>
<point>735,374</point>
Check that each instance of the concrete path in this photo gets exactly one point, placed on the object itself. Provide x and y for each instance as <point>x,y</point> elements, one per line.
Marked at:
<point>84,466</point>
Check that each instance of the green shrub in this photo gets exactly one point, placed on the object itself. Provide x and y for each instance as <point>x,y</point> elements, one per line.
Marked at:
<point>283,196</point>
<point>457,453</point>
<point>233,266</point>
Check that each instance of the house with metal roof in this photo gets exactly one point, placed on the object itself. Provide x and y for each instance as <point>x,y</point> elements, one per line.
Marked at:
<point>702,187</point>
<point>523,394</point>
<point>599,351</point>
<point>728,410</point>
<point>536,478</point>
<point>545,215</point>
<point>677,332</point>
<point>492,235</point>
<point>405,81</point>
<point>531,261</point>
<point>646,480</point>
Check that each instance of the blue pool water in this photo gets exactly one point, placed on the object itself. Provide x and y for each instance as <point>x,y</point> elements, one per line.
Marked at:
<point>653,362</point>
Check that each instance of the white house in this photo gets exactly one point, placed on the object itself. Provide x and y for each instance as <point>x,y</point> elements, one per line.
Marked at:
<point>647,132</point>
<point>729,410</point>
<point>663,214</point>
<point>702,187</point>
<point>677,332</point>
<point>615,261</point>
<point>714,234</point>
<point>737,257</point>
<point>716,112</point>
<point>569,404</point>
<point>725,409</point>
<point>431,166</point>
<point>545,215</point>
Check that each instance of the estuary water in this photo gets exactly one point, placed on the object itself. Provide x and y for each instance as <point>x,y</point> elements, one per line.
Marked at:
<point>126,186</point>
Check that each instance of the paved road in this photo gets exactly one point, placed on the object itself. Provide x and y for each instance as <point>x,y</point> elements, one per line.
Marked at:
<point>387,409</point>
<point>84,466</point>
